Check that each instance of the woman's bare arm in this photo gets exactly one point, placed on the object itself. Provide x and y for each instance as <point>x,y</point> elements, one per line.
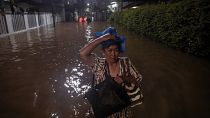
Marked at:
<point>85,52</point>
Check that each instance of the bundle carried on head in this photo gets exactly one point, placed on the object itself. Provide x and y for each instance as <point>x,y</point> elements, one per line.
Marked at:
<point>119,40</point>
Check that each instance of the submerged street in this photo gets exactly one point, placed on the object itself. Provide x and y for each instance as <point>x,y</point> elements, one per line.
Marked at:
<point>42,75</point>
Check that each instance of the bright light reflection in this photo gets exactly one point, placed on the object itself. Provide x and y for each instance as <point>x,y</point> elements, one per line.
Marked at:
<point>13,43</point>
<point>74,69</point>
<point>54,115</point>
<point>88,34</point>
<point>80,73</point>
<point>74,82</point>
<point>35,98</point>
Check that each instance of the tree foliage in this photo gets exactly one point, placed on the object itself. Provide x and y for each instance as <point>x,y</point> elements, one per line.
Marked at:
<point>183,25</point>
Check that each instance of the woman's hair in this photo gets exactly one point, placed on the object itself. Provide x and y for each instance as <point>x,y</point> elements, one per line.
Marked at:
<point>119,41</point>
<point>110,42</point>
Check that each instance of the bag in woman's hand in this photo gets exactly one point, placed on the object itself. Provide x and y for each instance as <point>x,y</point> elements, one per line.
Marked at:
<point>108,97</point>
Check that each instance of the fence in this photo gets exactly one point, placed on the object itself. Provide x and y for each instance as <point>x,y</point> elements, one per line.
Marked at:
<point>32,20</point>
<point>12,23</point>
<point>41,17</point>
<point>3,25</point>
<point>18,22</point>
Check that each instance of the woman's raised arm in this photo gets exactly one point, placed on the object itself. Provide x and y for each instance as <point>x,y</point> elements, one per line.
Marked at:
<point>86,52</point>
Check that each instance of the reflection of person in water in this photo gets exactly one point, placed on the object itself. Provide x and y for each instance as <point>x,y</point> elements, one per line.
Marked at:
<point>80,19</point>
<point>85,19</point>
<point>89,19</point>
<point>112,45</point>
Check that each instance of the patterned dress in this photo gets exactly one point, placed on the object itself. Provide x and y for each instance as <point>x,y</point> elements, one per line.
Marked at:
<point>125,66</point>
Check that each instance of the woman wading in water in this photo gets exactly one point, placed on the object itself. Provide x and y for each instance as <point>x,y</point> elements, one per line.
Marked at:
<point>112,45</point>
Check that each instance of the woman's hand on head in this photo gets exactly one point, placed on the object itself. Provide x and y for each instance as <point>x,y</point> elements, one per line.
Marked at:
<point>108,36</point>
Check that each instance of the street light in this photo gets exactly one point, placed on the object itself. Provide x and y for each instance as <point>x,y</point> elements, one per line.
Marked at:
<point>134,7</point>
<point>113,6</point>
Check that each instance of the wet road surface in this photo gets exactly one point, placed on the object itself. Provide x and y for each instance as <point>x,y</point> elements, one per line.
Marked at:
<point>42,76</point>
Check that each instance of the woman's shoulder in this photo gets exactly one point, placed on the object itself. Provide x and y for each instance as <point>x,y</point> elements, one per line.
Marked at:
<point>125,60</point>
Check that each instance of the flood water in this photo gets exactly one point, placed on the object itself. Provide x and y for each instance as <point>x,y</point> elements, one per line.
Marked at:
<point>42,76</point>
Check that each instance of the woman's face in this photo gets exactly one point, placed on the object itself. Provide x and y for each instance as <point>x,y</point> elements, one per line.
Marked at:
<point>112,53</point>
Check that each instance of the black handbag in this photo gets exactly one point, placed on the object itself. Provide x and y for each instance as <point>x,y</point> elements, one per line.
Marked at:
<point>107,97</point>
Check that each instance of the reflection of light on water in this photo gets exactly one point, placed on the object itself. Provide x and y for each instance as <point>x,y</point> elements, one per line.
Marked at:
<point>88,35</point>
<point>80,73</point>
<point>38,34</point>
<point>53,89</point>
<point>30,43</point>
<point>54,115</point>
<point>75,112</point>
<point>74,82</point>
<point>35,98</point>
<point>13,43</point>
<point>75,88</point>
<point>74,69</point>
<point>18,59</point>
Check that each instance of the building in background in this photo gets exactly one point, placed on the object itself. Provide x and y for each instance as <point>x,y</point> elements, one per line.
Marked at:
<point>22,15</point>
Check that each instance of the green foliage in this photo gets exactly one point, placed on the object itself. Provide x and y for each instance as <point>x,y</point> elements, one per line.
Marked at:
<point>183,25</point>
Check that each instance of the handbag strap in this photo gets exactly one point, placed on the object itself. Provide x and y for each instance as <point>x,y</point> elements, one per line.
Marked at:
<point>106,68</point>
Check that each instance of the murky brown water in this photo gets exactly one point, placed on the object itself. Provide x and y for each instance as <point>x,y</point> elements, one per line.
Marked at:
<point>42,76</point>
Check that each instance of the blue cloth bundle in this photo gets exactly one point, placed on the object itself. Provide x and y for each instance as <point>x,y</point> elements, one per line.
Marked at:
<point>120,40</point>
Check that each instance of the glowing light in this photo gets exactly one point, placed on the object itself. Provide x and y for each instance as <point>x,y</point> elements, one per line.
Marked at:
<point>134,7</point>
<point>113,2</point>
<point>113,6</point>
